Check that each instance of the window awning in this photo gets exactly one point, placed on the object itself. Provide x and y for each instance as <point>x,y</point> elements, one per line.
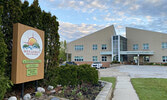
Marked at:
<point>106,53</point>
<point>137,52</point>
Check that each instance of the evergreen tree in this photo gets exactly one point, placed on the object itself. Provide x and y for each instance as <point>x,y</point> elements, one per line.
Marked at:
<point>4,81</point>
<point>34,14</point>
<point>11,14</point>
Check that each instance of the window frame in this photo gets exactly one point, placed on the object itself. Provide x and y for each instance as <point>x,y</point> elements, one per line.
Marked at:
<point>104,46</point>
<point>79,47</point>
<point>78,58</point>
<point>104,58</point>
<point>94,58</point>
<point>164,45</point>
<point>164,59</point>
<point>145,46</point>
<point>135,46</point>
<point>94,46</point>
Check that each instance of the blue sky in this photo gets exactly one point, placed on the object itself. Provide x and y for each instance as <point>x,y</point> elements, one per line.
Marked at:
<point>78,18</point>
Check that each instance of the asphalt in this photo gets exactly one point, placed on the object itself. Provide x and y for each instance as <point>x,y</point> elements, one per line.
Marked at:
<point>124,89</point>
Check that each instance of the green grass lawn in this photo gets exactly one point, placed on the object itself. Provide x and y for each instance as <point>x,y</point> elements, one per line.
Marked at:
<point>150,88</point>
<point>109,79</point>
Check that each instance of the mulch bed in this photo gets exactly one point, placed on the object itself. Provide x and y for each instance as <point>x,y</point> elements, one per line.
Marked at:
<point>81,92</point>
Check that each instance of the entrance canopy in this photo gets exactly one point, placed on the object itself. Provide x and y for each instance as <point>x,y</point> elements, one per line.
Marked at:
<point>106,53</point>
<point>137,52</point>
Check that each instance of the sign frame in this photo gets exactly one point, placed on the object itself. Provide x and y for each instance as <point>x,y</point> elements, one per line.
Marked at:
<point>20,72</point>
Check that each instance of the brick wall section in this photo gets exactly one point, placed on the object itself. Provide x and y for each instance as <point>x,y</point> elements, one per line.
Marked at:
<point>105,64</point>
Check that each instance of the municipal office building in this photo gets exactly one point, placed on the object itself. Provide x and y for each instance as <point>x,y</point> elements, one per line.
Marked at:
<point>139,46</point>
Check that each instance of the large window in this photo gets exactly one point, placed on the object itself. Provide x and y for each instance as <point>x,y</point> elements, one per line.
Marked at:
<point>103,46</point>
<point>78,58</point>
<point>135,46</point>
<point>78,47</point>
<point>164,58</point>
<point>104,58</point>
<point>94,58</point>
<point>145,46</point>
<point>164,45</point>
<point>94,46</point>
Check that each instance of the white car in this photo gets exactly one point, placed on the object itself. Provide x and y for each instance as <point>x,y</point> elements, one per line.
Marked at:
<point>97,65</point>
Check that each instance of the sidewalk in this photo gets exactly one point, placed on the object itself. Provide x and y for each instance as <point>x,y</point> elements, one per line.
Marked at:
<point>124,89</point>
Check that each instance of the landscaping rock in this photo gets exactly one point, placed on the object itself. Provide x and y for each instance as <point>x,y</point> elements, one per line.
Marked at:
<point>54,98</point>
<point>102,84</point>
<point>12,98</point>
<point>52,91</point>
<point>27,97</point>
<point>40,89</point>
<point>58,85</point>
<point>50,87</point>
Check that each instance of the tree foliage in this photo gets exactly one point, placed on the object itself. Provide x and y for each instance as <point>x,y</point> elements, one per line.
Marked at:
<point>62,54</point>
<point>4,81</point>
<point>16,11</point>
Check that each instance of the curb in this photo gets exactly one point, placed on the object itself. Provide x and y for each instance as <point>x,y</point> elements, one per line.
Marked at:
<point>105,93</point>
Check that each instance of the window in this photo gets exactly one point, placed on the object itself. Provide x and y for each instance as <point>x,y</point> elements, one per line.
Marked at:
<point>146,58</point>
<point>135,46</point>
<point>103,46</point>
<point>78,47</point>
<point>78,58</point>
<point>146,46</point>
<point>94,46</point>
<point>164,58</point>
<point>94,58</point>
<point>104,58</point>
<point>164,45</point>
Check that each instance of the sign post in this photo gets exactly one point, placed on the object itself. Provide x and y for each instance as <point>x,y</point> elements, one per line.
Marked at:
<point>27,54</point>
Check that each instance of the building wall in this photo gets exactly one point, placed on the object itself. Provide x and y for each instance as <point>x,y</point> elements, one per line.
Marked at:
<point>154,39</point>
<point>100,37</point>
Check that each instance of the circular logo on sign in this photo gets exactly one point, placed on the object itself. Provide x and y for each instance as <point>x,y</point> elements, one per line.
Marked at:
<point>31,44</point>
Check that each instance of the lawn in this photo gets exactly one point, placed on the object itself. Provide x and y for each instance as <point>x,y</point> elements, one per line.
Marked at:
<point>150,88</point>
<point>109,79</point>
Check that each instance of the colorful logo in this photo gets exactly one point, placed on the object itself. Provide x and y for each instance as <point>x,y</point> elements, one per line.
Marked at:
<point>31,44</point>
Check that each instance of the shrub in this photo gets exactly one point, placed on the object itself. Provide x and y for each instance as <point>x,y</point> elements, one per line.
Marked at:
<point>86,73</point>
<point>73,75</point>
<point>149,63</point>
<point>164,64</point>
<point>38,94</point>
<point>115,62</point>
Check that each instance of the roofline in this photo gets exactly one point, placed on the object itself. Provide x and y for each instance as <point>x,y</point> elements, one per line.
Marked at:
<point>144,30</point>
<point>94,32</point>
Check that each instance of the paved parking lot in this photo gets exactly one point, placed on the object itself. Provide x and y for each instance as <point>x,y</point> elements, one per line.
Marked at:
<point>135,71</point>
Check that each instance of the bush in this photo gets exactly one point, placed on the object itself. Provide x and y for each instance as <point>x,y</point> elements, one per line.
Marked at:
<point>5,83</point>
<point>149,63</point>
<point>38,94</point>
<point>73,75</point>
<point>115,62</point>
<point>164,64</point>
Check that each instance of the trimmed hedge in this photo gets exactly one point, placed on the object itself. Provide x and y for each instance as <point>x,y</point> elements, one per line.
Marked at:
<point>115,62</point>
<point>73,75</point>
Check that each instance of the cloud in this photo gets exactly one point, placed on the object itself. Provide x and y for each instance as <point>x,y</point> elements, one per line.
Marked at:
<point>70,32</point>
<point>144,14</point>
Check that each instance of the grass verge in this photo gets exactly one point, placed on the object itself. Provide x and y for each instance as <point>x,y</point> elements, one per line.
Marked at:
<point>109,79</point>
<point>150,88</point>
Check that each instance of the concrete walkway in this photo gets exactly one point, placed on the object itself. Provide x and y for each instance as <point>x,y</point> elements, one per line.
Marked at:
<point>124,89</point>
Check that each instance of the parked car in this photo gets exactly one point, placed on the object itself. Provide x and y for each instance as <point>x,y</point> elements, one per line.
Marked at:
<point>69,63</point>
<point>97,65</point>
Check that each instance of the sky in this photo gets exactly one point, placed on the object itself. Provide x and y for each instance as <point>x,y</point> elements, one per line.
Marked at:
<point>78,18</point>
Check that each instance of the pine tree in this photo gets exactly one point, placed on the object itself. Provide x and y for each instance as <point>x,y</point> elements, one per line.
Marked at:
<point>4,81</point>
<point>11,14</point>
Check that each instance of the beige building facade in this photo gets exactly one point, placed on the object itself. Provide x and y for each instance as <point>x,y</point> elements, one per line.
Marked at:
<point>105,46</point>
